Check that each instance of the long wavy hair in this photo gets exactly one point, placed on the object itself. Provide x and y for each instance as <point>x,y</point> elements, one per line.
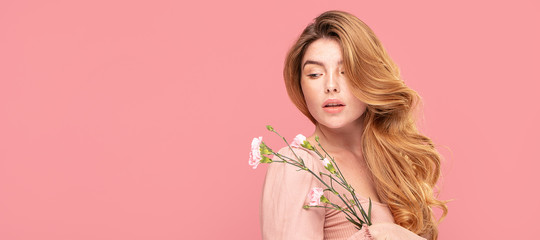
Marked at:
<point>404,164</point>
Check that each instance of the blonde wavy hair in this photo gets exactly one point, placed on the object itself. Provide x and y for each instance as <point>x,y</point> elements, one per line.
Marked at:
<point>405,165</point>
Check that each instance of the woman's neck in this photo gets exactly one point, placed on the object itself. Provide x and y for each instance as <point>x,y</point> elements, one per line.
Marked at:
<point>348,139</point>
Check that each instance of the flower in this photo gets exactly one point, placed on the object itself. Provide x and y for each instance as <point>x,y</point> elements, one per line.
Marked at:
<point>315,196</point>
<point>326,162</point>
<point>260,153</point>
<point>328,165</point>
<point>298,140</point>
<point>255,154</point>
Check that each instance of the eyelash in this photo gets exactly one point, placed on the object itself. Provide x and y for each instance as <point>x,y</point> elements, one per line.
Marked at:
<point>313,75</point>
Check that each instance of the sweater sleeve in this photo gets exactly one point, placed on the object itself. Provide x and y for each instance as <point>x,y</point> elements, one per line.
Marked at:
<point>285,192</point>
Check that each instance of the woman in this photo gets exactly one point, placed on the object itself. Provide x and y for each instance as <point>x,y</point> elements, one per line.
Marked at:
<point>339,75</point>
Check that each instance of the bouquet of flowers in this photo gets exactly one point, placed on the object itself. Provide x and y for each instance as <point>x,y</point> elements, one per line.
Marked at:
<point>356,214</point>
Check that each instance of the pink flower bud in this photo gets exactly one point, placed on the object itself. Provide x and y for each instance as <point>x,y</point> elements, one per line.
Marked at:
<point>315,196</point>
<point>298,140</point>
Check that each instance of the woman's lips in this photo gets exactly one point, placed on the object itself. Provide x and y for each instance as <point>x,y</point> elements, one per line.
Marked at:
<point>334,109</point>
<point>332,101</point>
<point>333,106</point>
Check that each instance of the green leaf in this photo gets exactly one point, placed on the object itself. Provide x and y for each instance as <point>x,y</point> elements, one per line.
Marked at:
<point>270,128</point>
<point>369,212</point>
<point>363,213</point>
<point>331,168</point>
<point>307,145</point>
<point>265,159</point>
<point>265,150</point>
<point>354,222</point>
<point>324,199</point>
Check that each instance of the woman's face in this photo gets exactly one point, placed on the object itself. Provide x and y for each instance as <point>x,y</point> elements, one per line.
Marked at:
<point>323,79</point>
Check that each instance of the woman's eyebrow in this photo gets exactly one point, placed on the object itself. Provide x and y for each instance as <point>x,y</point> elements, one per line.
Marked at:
<point>317,63</point>
<point>312,62</point>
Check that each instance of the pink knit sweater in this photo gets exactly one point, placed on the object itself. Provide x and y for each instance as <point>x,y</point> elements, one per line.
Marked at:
<point>285,191</point>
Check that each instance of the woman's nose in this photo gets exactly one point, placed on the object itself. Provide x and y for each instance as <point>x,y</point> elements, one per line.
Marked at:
<point>331,85</point>
<point>335,89</point>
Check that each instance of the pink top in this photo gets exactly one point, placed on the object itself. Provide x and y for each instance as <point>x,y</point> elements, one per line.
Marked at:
<point>285,192</point>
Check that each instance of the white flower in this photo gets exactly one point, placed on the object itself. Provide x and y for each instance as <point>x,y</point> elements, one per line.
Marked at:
<point>326,162</point>
<point>298,140</point>
<point>255,154</point>
<point>328,165</point>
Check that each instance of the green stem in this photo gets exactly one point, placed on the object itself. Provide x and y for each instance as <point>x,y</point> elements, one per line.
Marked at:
<point>331,158</point>
<point>345,210</point>
<point>316,176</point>
<point>339,209</point>
<point>350,189</point>
<point>346,203</point>
<point>363,212</point>
<point>302,161</point>
<point>357,225</point>
<point>323,182</point>
<point>283,156</point>
<point>344,184</point>
<point>331,177</point>
<point>359,205</point>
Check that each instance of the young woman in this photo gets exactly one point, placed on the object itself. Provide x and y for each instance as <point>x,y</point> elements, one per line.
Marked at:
<point>339,76</point>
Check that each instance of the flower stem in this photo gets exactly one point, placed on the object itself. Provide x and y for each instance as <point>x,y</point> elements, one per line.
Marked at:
<point>331,177</point>
<point>348,211</point>
<point>302,161</point>
<point>346,203</point>
<point>350,189</point>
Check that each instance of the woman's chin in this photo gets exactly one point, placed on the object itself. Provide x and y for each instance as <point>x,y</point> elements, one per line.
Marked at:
<point>333,125</point>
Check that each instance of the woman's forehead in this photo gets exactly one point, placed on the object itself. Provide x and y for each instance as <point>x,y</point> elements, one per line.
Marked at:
<point>323,52</point>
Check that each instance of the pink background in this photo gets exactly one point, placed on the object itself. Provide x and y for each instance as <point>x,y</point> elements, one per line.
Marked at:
<point>133,120</point>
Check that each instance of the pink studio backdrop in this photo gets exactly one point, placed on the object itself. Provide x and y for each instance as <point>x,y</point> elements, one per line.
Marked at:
<point>133,120</point>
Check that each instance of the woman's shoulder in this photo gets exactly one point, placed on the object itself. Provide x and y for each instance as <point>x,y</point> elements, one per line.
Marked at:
<point>290,178</point>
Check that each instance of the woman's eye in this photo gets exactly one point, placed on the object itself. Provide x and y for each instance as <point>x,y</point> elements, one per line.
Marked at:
<point>342,72</point>
<point>313,75</point>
